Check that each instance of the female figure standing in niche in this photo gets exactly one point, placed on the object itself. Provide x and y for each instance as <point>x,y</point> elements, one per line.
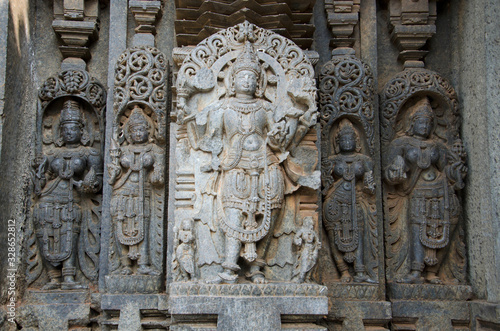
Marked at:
<point>428,173</point>
<point>61,177</point>
<point>135,168</point>
<point>347,215</point>
<point>243,130</point>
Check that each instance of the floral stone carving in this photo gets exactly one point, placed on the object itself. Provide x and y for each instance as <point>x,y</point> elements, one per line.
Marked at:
<point>245,107</point>
<point>348,144</point>
<point>136,170</point>
<point>64,235</point>
<point>424,171</point>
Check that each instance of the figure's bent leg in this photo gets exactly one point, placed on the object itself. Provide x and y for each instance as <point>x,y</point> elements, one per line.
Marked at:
<point>342,267</point>
<point>256,273</point>
<point>359,265</point>
<point>125,262</point>
<point>234,217</point>
<point>143,261</point>
<point>417,257</point>
<point>432,271</point>
<point>69,268</point>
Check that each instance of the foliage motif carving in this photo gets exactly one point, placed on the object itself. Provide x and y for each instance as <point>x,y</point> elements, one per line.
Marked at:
<point>424,171</point>
<point>349,212</point>
<point>64,235</point>
<point>245,102</point>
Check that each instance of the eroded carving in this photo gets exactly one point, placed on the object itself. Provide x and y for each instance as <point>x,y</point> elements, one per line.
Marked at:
<point>137,167</point>
<point>348,144</point>
<point>64,237</point>
<point>245,101</point>
<point>424,171</point>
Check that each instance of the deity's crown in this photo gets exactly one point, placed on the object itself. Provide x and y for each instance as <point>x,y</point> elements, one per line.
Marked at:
<point>71,112</point>
<point>137,118</point>
<point>247,60</point>
<point>346,127</point>
<point>422,109</point>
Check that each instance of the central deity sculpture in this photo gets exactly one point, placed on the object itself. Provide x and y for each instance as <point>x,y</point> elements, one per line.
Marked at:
<point>243,136</point>
<point>251,180</point>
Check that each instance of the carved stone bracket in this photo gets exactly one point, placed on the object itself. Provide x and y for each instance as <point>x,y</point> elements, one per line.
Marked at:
<point>412,25</point>
<point>146,13</point>
<point>342,18</point>
<point>76,22</point>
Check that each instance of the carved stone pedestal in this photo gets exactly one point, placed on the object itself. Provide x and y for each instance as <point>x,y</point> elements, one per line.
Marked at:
<point>56,310</point>
<point>429,292</point>
<point>133,312</point>
<point>430,307</point>
<point>133,284</point>
<point>358,315</point>
<point>245,306</point>
<point>430,315</point>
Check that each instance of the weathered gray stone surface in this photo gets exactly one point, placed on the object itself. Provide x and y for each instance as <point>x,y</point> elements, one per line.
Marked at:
<point>464,50</point>
<point>478,51</point>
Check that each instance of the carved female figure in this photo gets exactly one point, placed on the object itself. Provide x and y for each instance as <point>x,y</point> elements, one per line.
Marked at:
<point>134,170</point>
<point>429,174</point>
<point>347,215</point>
<point>309,242</point>
<point>243,135</point>
<point>62,176</point>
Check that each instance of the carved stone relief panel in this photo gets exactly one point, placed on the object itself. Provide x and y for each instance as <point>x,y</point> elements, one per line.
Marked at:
<point>136,171</point>
<point>64,235</point>
<point>245,160</point>
<point>348,145</point>
<point>424,171</point>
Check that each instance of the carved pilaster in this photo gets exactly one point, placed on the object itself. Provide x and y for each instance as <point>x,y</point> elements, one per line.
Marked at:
<point>342,18</point>
<point>412,24</point>
<point>76,23</point>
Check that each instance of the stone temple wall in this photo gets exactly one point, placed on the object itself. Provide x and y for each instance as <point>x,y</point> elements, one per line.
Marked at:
<point>249,165</point>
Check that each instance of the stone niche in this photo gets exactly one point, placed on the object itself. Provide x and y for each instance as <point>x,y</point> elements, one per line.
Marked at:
<point>243,221</point>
